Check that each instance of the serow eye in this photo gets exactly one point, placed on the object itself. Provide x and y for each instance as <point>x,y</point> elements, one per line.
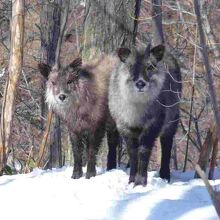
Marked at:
<point>53,83</point>
<point>69,82</point>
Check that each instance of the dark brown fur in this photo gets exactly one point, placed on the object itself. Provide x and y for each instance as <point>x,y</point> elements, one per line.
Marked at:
<point>78,93</point>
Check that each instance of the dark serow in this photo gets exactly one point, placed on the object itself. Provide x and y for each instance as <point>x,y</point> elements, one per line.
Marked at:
<point>144,96</point>
<point>78,93</point>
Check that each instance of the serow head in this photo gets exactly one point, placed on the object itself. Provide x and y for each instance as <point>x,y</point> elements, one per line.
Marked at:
<point>141,68</point>
<point>61,83</point>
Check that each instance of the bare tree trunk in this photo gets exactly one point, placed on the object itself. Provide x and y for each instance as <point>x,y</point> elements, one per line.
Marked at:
<point>44,141</point>
<point>216,50</point>
<point>206,150</point>
<point>14,71</point>
<point>207,66</point>
<point>55,157</point>
<point>215,130</point>
<point>209,31</point>
<point>158,36</point>
<point>63,13</point>
<point>53,23</point>
<point>213,159</point>
<point>50,30</point>
<point>174,156</point>
<point>55,142</point>
<point>136,19</point>
<point>108,25</point>
<point>191,109</point>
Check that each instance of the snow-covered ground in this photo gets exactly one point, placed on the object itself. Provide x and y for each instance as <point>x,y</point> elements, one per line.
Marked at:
<point>53,195</point>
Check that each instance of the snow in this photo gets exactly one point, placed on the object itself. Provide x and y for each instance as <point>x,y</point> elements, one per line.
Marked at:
<point>108,196</point>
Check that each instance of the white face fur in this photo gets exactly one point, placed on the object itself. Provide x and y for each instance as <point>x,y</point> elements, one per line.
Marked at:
<point>129,90</point>
<point>141,74</point>
<point>54,101</point>
<point>61,85</point>
<point>51,99</point>
<point>58,94</point>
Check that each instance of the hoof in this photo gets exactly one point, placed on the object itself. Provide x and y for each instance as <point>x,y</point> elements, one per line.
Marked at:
<point>131,179</point>
<point>77,175</point>
<point>90,174</point>
<point>111,166</point>
<point>164,174</point>
<point>140,180</point>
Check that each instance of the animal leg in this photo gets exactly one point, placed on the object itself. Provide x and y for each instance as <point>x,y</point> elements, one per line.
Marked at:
<point>166,141</point>
<point>113,140</point>
<point>132,144</point>
<point>166,145</point>
<point>143,161</point>
<point>93,147</point>
<point>77,147</point>
<point>146,142</point>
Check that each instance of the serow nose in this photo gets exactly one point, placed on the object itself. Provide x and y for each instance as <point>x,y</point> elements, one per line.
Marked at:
<point>62,97</point>
<point>140,84</point>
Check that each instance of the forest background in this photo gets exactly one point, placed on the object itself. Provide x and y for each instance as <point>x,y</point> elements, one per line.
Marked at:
<point>105,26</point>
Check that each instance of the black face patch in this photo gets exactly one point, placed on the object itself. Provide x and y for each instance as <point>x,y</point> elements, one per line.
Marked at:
<point>135,71</point>
<point>149,71</point>
<point>143,66</point>
<point>85,74</point>
<point>138,66</point>
<point>142,63</point>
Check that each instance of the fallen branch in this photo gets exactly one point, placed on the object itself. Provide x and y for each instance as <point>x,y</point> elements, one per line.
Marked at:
<point>44,140</point>
<point>215,196</point>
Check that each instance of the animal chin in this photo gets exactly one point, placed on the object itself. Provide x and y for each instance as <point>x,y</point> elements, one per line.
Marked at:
<point>140,91</point>
<point>62,103</point>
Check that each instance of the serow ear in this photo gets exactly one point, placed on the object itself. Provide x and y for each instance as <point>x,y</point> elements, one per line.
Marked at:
<point>123,53</point>
<point>76,64</point>
<point>44,69</point>
<point>158,52</point>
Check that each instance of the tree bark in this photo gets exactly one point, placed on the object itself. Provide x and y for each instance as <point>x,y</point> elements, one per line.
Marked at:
<point>157,26</point>
<point>206,150</point>
<point>50,30</point>
<point>212,91</point>
<point>209,31</point>
<point>44,141</point>
<point>14,72</point>
<point>204,52</point>
<point>213,159</point>
<point>53,22</point>
<point>108,25</point>
<point>55,145</point>
<point>216,51</point>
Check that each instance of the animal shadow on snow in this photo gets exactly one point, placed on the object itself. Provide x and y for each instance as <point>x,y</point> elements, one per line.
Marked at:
<point>171,209</point>
<point>167,209</point>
